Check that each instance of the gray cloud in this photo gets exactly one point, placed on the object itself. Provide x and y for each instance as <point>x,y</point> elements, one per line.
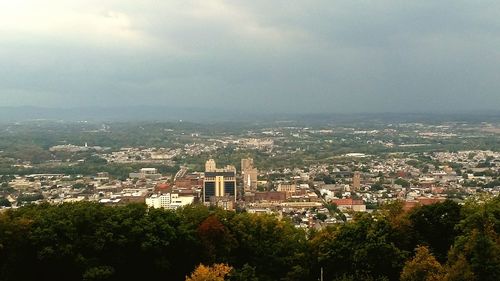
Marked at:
<point>283,56</point>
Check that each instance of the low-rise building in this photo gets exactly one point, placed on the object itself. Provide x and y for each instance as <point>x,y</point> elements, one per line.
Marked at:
<point>357,205</point>
<point>168,201</point>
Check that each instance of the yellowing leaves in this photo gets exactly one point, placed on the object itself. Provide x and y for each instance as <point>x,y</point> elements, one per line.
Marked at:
<point>216,272</point>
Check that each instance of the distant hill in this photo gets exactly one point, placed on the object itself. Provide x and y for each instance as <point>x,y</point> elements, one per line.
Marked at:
<point>201,115</point>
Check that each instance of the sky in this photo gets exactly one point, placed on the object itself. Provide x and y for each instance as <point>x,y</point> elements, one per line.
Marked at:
<point>252,56</point>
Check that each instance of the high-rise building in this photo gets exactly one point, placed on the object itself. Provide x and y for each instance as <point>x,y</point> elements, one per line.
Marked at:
<point>246,163</point>
<point>210,165</point>
<point>356,180</point>
<point>219,185</point>
<point>249,174</point>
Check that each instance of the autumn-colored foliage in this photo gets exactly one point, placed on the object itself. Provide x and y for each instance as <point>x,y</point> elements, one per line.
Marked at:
<point>216,239</point>
<point>216,272</point>
<point>89,241</point>
<point>423,267</point>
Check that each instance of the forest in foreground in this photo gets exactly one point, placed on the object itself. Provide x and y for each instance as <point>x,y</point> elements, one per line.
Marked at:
<point>88,241</point>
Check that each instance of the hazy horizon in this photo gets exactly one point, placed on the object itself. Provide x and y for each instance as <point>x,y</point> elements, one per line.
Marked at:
<point>199,115</point>
<point>283,57</point>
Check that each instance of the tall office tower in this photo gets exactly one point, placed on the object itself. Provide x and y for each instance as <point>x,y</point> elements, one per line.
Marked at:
<point>246,163</point>
<point>210,165</point>
<point>219,186</point>
<point>356,180</point>
<point>249,174</point>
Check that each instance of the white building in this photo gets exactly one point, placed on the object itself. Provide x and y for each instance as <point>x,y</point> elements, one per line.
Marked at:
<point>168,201</point>
<point>146,173</point>
<point>287,187</point>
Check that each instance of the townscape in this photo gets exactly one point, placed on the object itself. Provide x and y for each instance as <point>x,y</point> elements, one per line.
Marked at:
<point>223,140</point>
<point>315,175</point>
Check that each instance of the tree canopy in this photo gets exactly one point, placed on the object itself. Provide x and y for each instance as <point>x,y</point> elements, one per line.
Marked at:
<point>88,241</point>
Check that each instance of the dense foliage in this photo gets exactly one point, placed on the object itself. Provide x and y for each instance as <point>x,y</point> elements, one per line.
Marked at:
<point>87,241</point>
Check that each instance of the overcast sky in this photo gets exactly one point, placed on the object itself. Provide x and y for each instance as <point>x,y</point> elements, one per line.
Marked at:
<point>282,56</point>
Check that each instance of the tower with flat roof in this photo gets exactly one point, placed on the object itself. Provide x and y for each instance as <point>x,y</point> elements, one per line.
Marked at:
<point>356,180</point>
<point>219,186</point>
<point>249,174</point>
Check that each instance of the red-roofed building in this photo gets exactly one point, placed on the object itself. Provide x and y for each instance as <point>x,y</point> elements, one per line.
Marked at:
<point>163,188</point>
<point>422,201</point>
<point>188,182</point>
<point>269,196</point>
<point>348,203</point>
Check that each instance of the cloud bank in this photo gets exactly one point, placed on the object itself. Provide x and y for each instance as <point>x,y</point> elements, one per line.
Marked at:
<point>254,56</point>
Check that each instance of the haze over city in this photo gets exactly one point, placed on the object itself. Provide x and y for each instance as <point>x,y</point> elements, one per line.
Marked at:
<point>252,56</point>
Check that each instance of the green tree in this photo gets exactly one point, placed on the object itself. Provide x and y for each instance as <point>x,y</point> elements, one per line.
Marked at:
<point>99,273</point>
<point>423,267</point>
<point>377,186</point>
<point>458,269</point>
<point>274,247</point>
<point>402,182</point>
<point>479,243</point>
<point>321,216</point>
<point>355,248</point>
<point>435,225</point>
<point>4,202</point>
<point>246,273</point>
<point>79,185</point>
